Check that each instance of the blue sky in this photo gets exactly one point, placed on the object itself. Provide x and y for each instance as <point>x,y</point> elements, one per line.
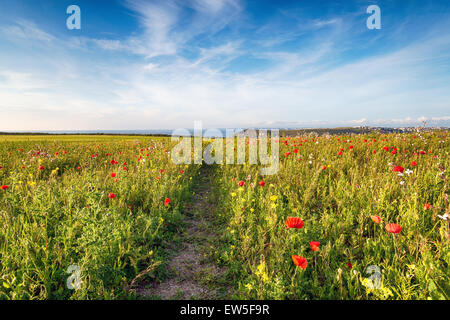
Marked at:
<point>164,64</point>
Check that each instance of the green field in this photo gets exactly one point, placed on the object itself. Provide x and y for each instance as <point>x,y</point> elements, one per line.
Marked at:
<point>134,223</point>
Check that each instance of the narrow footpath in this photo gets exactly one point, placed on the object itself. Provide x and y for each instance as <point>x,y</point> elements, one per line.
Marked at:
<point>192,276</point>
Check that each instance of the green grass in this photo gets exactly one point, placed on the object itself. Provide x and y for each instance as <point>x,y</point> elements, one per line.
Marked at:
<point>61,215</point>
<point>336,205</point>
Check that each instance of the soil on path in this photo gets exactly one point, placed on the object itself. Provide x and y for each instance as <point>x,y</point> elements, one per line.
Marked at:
<point>192,276</point>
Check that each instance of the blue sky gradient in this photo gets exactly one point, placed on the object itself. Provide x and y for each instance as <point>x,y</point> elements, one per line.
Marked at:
<point>164,64</point>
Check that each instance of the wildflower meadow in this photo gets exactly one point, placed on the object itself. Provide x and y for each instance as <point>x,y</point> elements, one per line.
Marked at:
<point>345,217</point>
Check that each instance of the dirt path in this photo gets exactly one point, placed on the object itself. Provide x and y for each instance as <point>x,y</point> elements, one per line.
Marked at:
<point>192,276</point>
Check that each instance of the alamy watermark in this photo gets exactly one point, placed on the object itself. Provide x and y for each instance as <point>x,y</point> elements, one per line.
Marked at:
<point>73,282</point>
<point>374,21</point>
<point>374,281</point>
<point>74,20</point>
<point>235,140</point>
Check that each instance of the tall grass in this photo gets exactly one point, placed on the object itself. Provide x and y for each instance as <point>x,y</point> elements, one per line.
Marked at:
<point>336,194</point>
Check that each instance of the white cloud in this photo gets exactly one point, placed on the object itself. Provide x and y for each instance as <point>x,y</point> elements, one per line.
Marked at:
<point>24,29</point>
<point>294,88</point>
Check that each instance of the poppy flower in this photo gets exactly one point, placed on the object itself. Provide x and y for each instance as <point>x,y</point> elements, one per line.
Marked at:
<point>181,171</point>
<point>166,202</point>
<point>413,164</point>
<point>241,183</point>
<point>399,169</point>
<point>314,245</point>
<point>393,228</point>
<point>262,183</point>
<point>386,148</point>
<point>422,152</point>
<point>427,206</point>
<point>4,187</point>
<point>111,195</point>
<point>41,168</point>
<point>300,261</point>
<point>78,168</point>
<point>287,154</point>
<point>340,153</point>
<point>376,219</point>
<point>349,265</point>
<point>324,167</point>
<point>294,222</point>
<point>113,175</point>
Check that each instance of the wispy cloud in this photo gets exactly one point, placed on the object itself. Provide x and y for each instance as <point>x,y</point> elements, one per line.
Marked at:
<point>25,30</point>
<point>190,60</point>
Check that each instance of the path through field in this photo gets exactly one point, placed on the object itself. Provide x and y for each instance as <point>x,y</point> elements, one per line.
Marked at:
<point>192,276</point>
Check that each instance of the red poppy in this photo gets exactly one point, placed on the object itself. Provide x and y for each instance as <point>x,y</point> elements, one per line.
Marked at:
<point>422,152</point>
<point>181,171</point>
<point>78,168</point>
<point>166,202</point>
<point>241,183</point>
<point>349,265</point>
<point>111,195</point>
<point>113,175</point>
<point>4,187</point>
<point>350,147</point>
<point>399,169</point>
<point>41,168</point>
<point>262,183</point>
<point>427,206</point>
<point>340,153</point>
<point>324,167</point>
<point>386,148</point>
<point>294,222</point>
<point>314,245</point>
<point>376,219</point>
<point>413,164</point>
<point>393,228</point>
<point>300,261</point>
<point>161,171</point>
<point>287,154</point>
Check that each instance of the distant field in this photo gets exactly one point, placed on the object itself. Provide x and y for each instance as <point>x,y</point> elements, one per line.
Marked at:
<point>67,137</point>
<point>118,208</point>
